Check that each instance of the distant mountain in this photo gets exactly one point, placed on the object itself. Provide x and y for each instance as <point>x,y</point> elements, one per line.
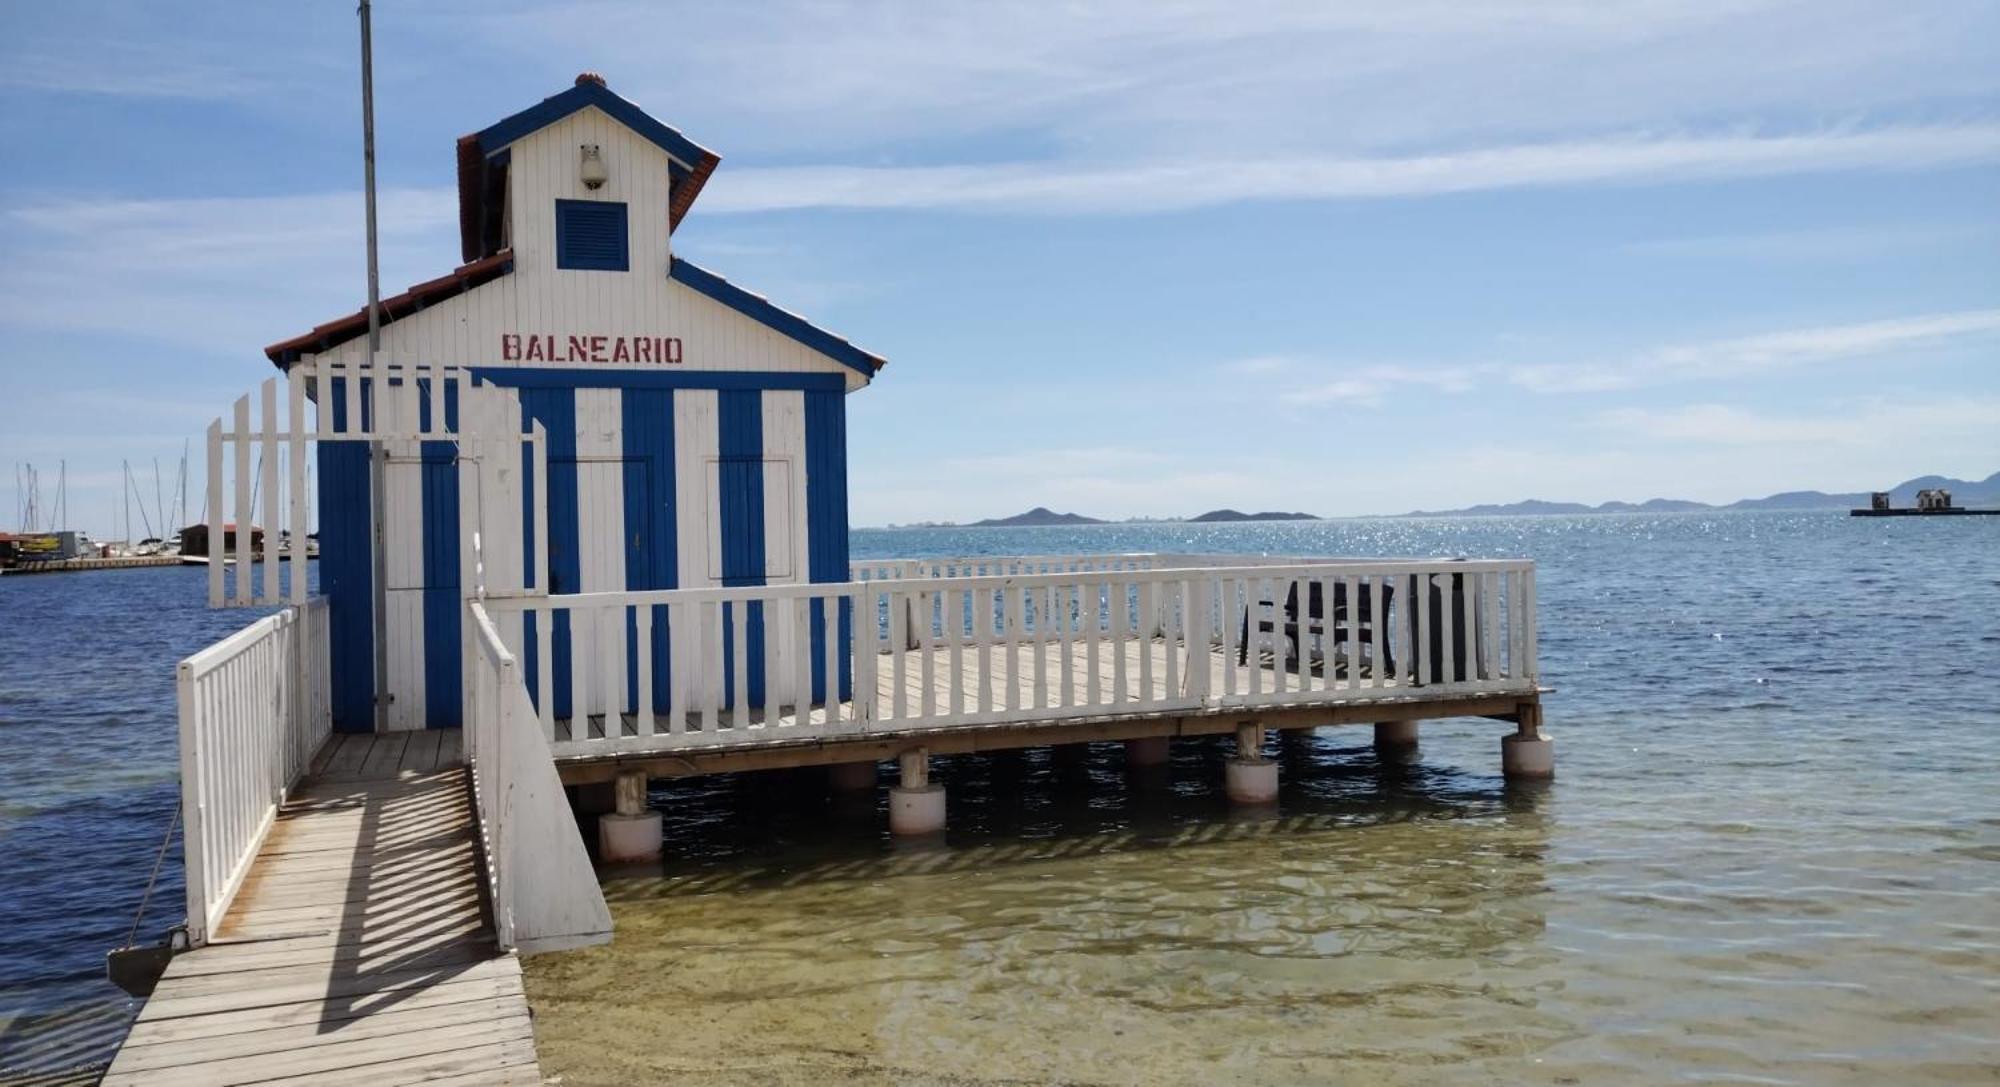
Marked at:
<point>1040,515</point>
<point>1964,492</point>
<point>1239,515</point>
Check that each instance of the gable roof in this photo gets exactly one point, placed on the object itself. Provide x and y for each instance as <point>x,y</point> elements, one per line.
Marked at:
<point>483,159</point>
<point>760,309</point>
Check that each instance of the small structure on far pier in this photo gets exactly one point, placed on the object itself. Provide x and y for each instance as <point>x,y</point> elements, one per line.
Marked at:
<point>1931,501</point>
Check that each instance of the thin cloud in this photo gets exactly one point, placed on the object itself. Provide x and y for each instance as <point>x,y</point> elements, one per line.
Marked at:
<point>1819,244</point>
<point>1071,188</point>
<point>1303,381</point>
<point>1759,355</point>
<point>1139,80</point>
<point>1371,385</point>
<point>1871,425</point>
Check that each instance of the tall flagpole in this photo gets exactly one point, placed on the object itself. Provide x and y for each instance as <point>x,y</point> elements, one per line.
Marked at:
<point>379,453</point>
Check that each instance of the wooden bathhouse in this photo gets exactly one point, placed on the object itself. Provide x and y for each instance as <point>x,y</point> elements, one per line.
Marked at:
<point>696,432</point>
<point>582,511</point>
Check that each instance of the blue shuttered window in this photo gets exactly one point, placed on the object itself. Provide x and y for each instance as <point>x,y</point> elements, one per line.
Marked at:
<point>591,235</point>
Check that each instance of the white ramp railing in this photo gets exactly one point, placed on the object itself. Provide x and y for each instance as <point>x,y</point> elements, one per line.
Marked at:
<point>254,709</point>
<point>544,891</point>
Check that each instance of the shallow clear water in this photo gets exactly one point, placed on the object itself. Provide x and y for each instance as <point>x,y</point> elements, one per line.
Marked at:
<point>1773,856</point>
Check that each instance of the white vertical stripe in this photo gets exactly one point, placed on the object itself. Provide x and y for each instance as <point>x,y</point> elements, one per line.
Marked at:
<point>403,573</point>
<point>696,520</point>
<point>696,444</point>
<point>600,514</point>
<point>784,438</point>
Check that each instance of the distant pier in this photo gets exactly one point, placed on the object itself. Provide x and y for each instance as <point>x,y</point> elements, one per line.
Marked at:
<point>1931,502</point>
<point>91,562</point>
<point>1955,511</point>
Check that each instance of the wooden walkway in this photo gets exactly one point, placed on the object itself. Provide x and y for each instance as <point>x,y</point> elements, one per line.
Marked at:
<point>357,951</point>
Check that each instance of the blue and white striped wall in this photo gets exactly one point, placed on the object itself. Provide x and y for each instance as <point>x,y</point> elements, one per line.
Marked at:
<point>657,480</point>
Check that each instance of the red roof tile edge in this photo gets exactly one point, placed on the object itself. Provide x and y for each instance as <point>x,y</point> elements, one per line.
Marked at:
<point>339,331</point>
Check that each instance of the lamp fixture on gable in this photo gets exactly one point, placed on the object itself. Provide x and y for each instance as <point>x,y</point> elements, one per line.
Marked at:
<point>591,167</point>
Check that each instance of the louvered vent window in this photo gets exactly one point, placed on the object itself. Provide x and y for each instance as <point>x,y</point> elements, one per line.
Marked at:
<point>591,235</point>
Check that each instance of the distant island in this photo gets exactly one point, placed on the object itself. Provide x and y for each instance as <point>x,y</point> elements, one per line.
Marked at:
<point>1964,492</point>
<point>1039,516</point>
<point>1969,493</point>
<point>1239,515</point>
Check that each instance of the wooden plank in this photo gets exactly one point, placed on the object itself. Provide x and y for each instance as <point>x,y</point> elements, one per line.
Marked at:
<point>326,752</point>
<point>454,1017</point>
<point>376,955</point>
<point>394,978</point>
<point>346,762</point>
<point>402,1058</point>
<point>194,1030</point>
<point>385,756</point>
<point>420,753</point>
<point>323,982</point>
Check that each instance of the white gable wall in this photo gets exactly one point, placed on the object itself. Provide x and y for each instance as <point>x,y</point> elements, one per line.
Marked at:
<point>540,299</point>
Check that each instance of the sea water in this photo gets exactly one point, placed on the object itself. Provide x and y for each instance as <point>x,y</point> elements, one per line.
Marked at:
<point>1772,854</point>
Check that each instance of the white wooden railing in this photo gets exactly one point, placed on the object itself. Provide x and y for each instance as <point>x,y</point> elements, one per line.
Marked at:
<point>258,461</point>
<point>541,886</point>
<point>948,650</point>
<point>254,709</point>
<point>997,566</point>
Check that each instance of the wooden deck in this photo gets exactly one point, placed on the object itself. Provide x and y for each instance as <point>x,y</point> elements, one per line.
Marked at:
<point>1151,701</point>
<point>357,951</point>
<point>1007,684</point>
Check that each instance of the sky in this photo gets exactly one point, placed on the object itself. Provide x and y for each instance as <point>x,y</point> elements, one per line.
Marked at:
<point>1124,258</point>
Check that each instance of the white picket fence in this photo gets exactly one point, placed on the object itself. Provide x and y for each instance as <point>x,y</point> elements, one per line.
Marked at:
<point>542,888</point>
<point>254,709</point>
<point>1121,636</point>
<point>260,503</point>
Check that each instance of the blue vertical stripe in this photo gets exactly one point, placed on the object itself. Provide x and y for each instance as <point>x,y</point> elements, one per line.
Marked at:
<point>826,527</point>
<point>442,600</point>
<point>652,551</point>
<point>346,567</point>
<point>346,578</point>
<point>740,474</point>
<point>555,409</point>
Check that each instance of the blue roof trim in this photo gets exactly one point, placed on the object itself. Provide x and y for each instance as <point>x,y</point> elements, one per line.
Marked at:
<point>685,152</point>
<point>759,309</point>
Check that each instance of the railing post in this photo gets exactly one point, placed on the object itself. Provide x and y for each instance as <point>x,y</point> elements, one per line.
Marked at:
<point>194,811</point>
<point>499,805</point>
<point>1532,672</point>
<point>1196,622</point>
<point>863,652</point>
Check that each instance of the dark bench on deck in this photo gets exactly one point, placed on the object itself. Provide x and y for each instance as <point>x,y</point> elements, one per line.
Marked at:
<point>1332,629</point>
